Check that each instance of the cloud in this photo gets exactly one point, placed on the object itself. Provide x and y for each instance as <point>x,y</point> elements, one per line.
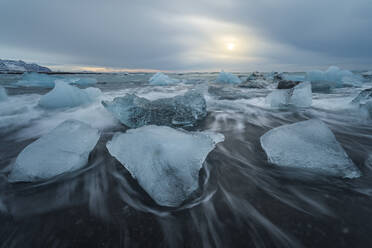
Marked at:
<point>188,35</point>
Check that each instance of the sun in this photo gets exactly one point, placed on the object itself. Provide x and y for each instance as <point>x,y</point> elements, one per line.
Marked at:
<point>230,46</point>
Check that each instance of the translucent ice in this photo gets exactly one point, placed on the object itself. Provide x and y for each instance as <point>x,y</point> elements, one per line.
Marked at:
<point>66,148</point>
<point>182,110</point>
<point>227,78</point>
<point>364,102</point>
<point>36,80</point>
<point>3,95</point>
<point>161,79</point>
<point>298,96</point>
<point>334,77</point>
<point>66,96</point>
<point>308,144</point>
<point>165,161</point>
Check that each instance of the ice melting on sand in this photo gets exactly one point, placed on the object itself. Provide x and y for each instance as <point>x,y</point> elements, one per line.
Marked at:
<point>227,78</point>
<point>332,78</point>
<point>36,80</point>
<point>3,95</point>
<point>161,79</point>
<point>182,110</point>
<point>298,96</point>
<point>66,148</point>
<point>310,145</point>
<point>66,96</point>
<point>165,161</point>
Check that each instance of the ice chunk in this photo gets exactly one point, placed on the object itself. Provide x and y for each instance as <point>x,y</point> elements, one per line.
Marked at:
<point>165,161</point>
<point>298,96</point>
<point>66,148</point>
<point>3,95</point>
<point>182,110</point>
<point>161,79</point>
<point>83,81</point>
<point>227,78</point>
<point>66,96</point>
<point>334,77</point>
<point>36,80</point>
<point>294,77</point>
<point>308,144</point>
<point>364,102</point>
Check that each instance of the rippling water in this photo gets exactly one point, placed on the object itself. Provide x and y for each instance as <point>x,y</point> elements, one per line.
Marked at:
<point>242,202</point>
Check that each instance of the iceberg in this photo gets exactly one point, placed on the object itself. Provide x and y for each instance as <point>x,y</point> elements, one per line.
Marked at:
<point>164,161</point>
<point>36,80</point>
<point>3,95</point>
<point>298,96</point>
<point>161,79</point>
<point>182,110</point>
<point>310,145</point>
<point>64,149</point>
<point>64,95</point>
<point>227,78</point>
<point>334,77</point>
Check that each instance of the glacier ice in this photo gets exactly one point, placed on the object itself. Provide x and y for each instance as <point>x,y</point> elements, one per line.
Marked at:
<point>298,96</point>
<point>254,84</point>
<point>64,149</point>
<point>161,79</point>
<point>227,78</point>
<point>3,95</point>
<point>308,144</point>
<point>334,77</point>
<point>164,161</point>
<point>36,80</point>
<point>64,95</point>
<point>181,110</point>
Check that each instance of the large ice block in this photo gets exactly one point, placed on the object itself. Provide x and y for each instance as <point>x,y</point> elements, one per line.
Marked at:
<point>182,110</point>
<point>164,161</point>
<point>310,145</point>
<point>298,96</point>
<point>64,149</point>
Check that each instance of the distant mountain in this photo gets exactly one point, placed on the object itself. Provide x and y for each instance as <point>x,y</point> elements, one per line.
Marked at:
<point>21,66</point>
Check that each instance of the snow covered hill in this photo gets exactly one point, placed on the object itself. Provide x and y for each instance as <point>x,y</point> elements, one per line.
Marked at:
<point>20,66</point>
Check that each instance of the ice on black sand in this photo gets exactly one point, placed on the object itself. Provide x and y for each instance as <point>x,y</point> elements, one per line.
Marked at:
<point>308,144</point>
<point>64,149</point>
<point>165,161</point>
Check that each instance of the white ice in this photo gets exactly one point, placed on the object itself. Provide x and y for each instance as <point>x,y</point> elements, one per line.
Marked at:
<point>64,95</point>
<point>165,161</point>
<point>161,79</point>
<point>227,78</point>
<point>66,148</point>
<point>310,145</point>
<point>3,94</point>
<point>299,96</point>
<point>36,80</point>
<point>334,77</point>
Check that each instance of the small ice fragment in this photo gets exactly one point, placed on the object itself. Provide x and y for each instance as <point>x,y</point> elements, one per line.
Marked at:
<point>66,96</point>
<point>161,79</point>
<point>64,149</point>
<point>308,144</point>
<point>165,161</point>
<point>227,78</point>
<point>182,110</point>
<point>298,96</point>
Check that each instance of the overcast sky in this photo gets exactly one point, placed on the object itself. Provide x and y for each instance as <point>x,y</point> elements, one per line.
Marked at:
<point>193,35</point>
